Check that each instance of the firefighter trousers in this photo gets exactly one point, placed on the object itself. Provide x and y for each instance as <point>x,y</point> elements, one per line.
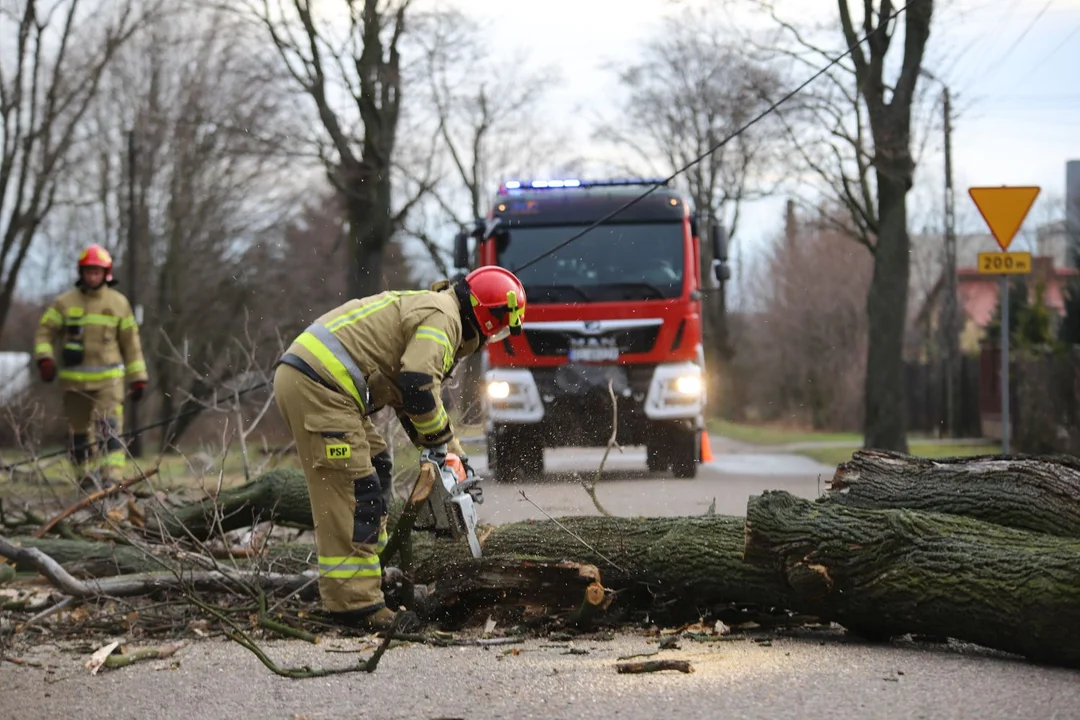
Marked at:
<point>334,442</point>
<point>96,421</point>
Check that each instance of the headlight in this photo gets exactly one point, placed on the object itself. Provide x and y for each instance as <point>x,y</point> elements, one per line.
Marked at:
<point>498,389</point>
<point>688,384</point>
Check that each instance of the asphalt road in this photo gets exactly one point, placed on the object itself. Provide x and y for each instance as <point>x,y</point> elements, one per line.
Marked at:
<point>627,489</point>
<point>791,678</point>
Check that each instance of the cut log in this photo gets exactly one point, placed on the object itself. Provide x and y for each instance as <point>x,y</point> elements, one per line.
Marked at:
<point>1038,494</point>
<point>468,586</point>
<point>890,572</point>
<point>696,562</point>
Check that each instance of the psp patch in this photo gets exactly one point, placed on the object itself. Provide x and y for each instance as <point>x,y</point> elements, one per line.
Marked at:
<point>338,452</point>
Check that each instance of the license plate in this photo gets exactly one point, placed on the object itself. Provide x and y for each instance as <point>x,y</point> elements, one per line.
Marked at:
<point>594,354</point>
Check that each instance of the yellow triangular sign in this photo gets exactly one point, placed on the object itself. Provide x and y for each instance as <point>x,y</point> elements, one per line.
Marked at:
<point>1004,209</point>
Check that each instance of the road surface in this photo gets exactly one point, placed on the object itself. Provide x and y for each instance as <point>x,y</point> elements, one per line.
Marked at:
<point>626,488</point>
<point>815,676</point>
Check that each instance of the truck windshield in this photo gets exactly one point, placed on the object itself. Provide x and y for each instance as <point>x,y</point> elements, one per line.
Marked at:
<point>633,261</point>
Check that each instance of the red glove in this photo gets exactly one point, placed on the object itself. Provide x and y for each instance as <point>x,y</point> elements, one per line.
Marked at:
<point>138,389</point>
<point>47,369</point>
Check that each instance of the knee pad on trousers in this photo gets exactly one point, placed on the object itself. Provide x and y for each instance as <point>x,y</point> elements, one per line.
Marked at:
<point>384,468</point>
<point>80,449</point>
<point>113,444</point>
<point>370,508</point>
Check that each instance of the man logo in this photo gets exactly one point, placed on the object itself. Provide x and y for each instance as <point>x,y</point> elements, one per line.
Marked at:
<point>338,452</point>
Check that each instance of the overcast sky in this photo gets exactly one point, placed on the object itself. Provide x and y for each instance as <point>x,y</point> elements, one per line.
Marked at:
<point>1011,66</point>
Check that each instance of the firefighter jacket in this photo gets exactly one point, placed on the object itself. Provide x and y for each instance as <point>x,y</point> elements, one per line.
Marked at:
<point>394,349</point>
<point>98,339</point>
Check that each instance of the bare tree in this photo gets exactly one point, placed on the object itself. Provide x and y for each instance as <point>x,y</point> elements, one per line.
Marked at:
<point>206,120</point>
<point>351,50</point>
<point>855,132</point>
<point>52,60</point>
<point>695,87</point>
<point>803,349</point>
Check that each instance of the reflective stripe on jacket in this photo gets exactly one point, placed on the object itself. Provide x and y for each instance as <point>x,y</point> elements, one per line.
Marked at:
<point>98,327</point>
<point>362,347</point>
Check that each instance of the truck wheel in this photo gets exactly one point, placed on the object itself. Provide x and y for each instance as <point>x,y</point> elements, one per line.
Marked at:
<point>513,455</point>
<point>685,452</point>
<point>656,457</point>
<point>531,460</point>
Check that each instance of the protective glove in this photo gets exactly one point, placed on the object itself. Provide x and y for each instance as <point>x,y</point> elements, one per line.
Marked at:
<point>435,454</point>
<point>138,389</point>
<point>47,369</point>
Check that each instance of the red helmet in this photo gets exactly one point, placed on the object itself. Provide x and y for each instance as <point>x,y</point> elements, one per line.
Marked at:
<point>498,301</point>
<point>97,256</point>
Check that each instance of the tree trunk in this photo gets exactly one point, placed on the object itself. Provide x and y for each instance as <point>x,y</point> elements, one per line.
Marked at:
<point>883,573</point>
<point>1036,494</point>
<point>885,425</point>
<point>280,495</point>
<point>370,230</point>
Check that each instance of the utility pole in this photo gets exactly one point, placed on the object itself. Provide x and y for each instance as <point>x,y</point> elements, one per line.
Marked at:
<point>1005,333</point>
<point>135,445</point>
<point>950,320</point>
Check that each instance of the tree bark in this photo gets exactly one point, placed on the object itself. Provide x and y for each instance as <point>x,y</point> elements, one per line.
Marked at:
<point>882,573</point>
<point>885,424</point>
<point>369,234</point>
<point>1039,494</point>
<point>280,495</point>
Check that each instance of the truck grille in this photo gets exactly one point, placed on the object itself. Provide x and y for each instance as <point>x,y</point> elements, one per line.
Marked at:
<point>561,381</point>
<point>558,342</point>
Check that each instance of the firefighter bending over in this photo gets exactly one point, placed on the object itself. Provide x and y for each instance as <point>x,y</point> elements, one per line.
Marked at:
<point>100,348</point>
<point>391,349</point>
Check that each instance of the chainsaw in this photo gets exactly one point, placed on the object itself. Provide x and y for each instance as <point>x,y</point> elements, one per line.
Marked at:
<point>447,498</point>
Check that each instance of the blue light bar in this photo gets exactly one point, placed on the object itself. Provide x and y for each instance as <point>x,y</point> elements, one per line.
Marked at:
<point>575,183</point>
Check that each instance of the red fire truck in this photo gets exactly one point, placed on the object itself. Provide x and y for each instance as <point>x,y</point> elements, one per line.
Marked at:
<point>618,310</point>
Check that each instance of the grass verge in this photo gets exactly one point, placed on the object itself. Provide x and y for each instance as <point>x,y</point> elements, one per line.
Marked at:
<point>835,456</point>
<point>771,434</point>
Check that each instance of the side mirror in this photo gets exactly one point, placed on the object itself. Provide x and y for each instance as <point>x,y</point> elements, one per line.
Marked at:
<point>718,238</point>
<point>502,239</point>
<point>722,271</point>
<point>461,250</point>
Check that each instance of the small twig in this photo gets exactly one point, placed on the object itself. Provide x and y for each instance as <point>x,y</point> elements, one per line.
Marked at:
<point>573,534</point>
<point>48,611</point>
<point>92,498</point>
<point>454,642</point>
<point>590,488</point>
<point>20,661</point>
<point>281,628</point>
<point>118,660</point>
<point>638,655</point>
<point>655,666</point>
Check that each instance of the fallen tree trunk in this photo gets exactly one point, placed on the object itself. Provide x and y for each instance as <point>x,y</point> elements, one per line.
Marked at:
<point>891,572</point>
<point>280,495</point>
<point>686,565</point>
<point>1037,494</point>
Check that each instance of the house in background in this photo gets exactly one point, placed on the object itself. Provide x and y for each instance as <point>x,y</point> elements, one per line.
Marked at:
<point>978,299</point>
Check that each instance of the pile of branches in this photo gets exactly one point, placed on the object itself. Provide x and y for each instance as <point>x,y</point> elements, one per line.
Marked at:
<point>982,550</point>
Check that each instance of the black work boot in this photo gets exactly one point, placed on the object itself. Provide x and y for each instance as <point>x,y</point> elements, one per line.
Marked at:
<point>378,620</point>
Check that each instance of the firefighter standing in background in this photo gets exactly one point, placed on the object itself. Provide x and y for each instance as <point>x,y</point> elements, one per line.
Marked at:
<point>394,349</point>
<point>100,350</point>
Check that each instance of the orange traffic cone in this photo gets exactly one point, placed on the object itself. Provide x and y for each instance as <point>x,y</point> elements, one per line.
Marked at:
<point>706,449</point>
